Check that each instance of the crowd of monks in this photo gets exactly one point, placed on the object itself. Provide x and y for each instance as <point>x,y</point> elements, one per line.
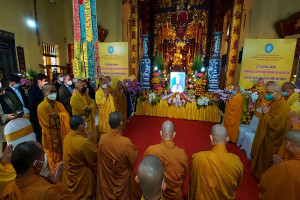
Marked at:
<point>279,118</point>
<point>85,161</point>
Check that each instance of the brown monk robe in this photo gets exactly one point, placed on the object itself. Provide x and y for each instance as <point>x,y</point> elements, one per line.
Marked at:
<point>28,159</point>
<point>116,159</point>
<point>151,178</point>
<point>282,181</point>
<point>262,93</point>
<point>274,123</point>
<point>120,102</point>
<point>174,160</point>
<point>215,174</point>
<point>80,160</point>
<point>54,121</point>
<point>233,113</point>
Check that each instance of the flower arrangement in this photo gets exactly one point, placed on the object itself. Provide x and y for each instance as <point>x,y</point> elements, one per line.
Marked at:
<point>220,97</point>
<point>203,102</point>
<point>153,98</point>
<point>200,87</point>
<point>31,73</point>
<point>246,118</point>
<point>134,87</point>
<point>177,99</point>
<point>25,82</point>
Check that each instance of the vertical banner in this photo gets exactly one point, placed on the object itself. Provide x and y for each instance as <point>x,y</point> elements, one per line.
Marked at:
<point>114,60</point>
<point>86,60</point>
<point>134,39</point>
<point>271,59</point>
<point>234,41</point>
<point>21,59</point>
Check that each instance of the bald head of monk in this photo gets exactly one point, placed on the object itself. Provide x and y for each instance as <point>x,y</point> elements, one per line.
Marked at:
<point>218,135</point>
<point>151,177</point>
<point>81,87</point>
<point>167,131</point>
<point>115,121</point>
<point>28,158</point>
<point>287,89</point>
<point>50,92</point>
<point>270,83</point>
<point>292,142</point>
<point>237,89</point>
<point>274,90</point>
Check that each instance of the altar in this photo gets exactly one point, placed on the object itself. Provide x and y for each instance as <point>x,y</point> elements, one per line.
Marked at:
<point>190,111</point>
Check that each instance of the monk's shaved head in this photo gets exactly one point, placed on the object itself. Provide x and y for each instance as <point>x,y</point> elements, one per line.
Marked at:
<point>25,154</point>
<point>294,137</point>
<point>48,87</point>
<point>288,85</point>
<point>150,175</point>
<point>219,134</point>
<point>167,130</point>
<point>79,84</point>
<point>270,83</point>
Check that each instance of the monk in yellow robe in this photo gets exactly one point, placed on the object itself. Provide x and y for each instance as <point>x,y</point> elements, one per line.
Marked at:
<point>7,171</point>
<point>80,161</point>
<point>109,85</point>
<point>116,160</point>
<point>120,102</point>
<point>151,178</point>
<point>174,160</point>
<point>54,121</point>
<point>83,105</point>
<point>282,181</point>
<point>291,97</point>
<point>28,159</point>
<point>106,105</point>
<point>215,174</point>
<point>233,113</point>
<point>271,128</point>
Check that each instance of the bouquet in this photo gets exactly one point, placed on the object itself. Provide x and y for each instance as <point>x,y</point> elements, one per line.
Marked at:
<point>202,102</point>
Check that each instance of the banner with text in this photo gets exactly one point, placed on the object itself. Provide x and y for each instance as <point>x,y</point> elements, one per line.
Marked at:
<point>114,60</point>
<point>271,59</point>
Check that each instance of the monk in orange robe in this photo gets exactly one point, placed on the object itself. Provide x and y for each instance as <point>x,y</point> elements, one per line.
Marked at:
<point>7,171</point>
<point>120,102</point>
<point>291,97</point>
<point>233,113</point>
<point>106,105</point>
<point>282,181</point>
<point>174,160</point>
<point>151,178</point>
<point>83,105</point>
<point>215,174</point>
<point>54,121</point>
<point>116,159</point>
<point>262,93</point>
<point>271,128</point>
<point>80,161</point>
<point>28,159</point>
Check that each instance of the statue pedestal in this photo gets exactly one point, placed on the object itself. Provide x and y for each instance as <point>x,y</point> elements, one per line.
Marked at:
<point>215,64</point>
<point>145,66</point>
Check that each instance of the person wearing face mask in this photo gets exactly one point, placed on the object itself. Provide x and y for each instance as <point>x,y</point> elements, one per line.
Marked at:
<point>57,81</point>
<point>151,178</point>
<point>54,120</point>
<point>233,113</point>
<point>272,126</point>
<point>17,90</point>
<point>91,86</point>
<point>109,85</point>
<point>106,105</point>
<point>291,96</point>
<point>80,160</point>
<point>28,160</point>
<point>35,97</point>
<point>65,93</point>
<point>83,105</point>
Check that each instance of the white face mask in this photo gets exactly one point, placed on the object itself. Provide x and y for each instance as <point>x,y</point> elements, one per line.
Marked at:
<point>52,96</point>
<point>85,125</point>
<point>104,86</point>
<point>75,80</point>
<point>110,83</point>
<point>61,79</point>
<point>69,83</point>
<point>126,84</point>
<point>45,170</point>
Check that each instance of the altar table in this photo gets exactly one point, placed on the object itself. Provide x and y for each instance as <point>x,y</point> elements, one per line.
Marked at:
<point>190,111</point>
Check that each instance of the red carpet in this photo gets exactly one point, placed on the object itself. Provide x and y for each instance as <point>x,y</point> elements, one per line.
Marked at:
<point>193,136</point>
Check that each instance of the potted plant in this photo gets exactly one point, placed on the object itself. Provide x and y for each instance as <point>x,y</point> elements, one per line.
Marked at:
<point>197,63</point>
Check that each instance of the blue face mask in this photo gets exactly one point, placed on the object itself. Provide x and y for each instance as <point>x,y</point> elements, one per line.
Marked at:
<point>269,97</point>
<point>16,85</point>
<point>93,82</point>
<point>234,92</point>
<point>284,94</point>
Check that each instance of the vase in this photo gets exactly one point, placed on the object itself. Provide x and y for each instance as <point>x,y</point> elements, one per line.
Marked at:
<point>145,66</point>
<point>215,64</point>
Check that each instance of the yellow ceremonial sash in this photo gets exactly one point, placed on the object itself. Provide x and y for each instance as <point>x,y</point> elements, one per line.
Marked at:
<point>19,133</point>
